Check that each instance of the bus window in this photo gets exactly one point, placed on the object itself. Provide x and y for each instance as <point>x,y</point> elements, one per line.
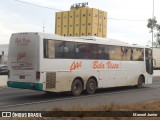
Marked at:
<point>103,52</point>
<point>149,61</point>
<point>115,52</point>
<point>45,48</point>
<point>49,50</point>
<point>137,54</point>
<point>94,50</point>
<point>70,49</point>
<point>150,53</point>
<point>59,49</point>
<point>125,53</point>
<point>84,51</point>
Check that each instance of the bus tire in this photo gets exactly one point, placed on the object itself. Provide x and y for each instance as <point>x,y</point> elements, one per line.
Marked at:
<point>91,86</point>
<point>140,82</point>
<point>76,87</point>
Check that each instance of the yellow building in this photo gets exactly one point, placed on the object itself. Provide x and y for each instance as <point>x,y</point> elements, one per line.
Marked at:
<point>81,21</point>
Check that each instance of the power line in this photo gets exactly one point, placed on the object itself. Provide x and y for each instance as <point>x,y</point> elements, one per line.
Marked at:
<point>127,19</point>
<point>37,5</point>
<point>62,10</point>
<point>5,35</point>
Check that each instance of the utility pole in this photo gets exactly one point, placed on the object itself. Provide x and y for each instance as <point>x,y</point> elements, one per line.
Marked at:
<point>44,25</point>
<point>152,27</point>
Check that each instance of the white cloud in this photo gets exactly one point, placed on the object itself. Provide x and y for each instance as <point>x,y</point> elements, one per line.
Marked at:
<point>12,23</point>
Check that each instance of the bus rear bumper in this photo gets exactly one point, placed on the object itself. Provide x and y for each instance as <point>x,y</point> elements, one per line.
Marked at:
<point>25,85</point>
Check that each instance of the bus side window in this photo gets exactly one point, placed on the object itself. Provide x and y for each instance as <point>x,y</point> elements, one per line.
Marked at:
<point>107,53</point>
<point>125,53</point>
<point>114,52</point>
<point>59,49</point>
<point>49,49</point>
<point>138,54</point>
<point>69,50</point>
<point>94,51</point>
<point>141,57</point>
<point>103,52</point>
<point>82,50</point>
<point>45,48</point>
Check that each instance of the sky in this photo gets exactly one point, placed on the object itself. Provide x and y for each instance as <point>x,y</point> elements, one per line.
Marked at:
<point>127,19</point>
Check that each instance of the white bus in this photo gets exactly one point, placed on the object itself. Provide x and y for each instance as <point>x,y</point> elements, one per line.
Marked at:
<point>54,63</point>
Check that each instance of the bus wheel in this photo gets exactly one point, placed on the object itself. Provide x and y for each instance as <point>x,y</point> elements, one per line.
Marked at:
<point>76,87</point>
<point>140,82</point>
<point>91,86</point>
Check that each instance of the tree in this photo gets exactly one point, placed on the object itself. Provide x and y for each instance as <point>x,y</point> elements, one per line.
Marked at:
<point>158,34</point>
<point>153,25</point>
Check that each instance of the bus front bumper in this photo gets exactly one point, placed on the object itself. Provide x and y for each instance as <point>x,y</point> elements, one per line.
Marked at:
<point>25,85</point>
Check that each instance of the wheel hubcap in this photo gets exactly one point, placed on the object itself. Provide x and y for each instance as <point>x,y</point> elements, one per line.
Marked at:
<point>91,86</point>
<point>76,87</point>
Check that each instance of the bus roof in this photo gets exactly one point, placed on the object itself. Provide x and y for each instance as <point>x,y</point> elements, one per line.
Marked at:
<point>86,39</point>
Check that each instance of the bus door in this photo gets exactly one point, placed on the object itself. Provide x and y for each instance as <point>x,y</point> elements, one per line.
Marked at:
<point>149,61</point>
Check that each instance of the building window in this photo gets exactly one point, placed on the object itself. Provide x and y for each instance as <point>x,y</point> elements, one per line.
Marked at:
<point>77,25</point>
<point>58,26</point>
<point>70,34</point>
<point>84,15</point>
<point>77,15</point>
<point>70,25</point>
<point>70,16</point>
<point>95,15</point>
<point>58,17</point>
<point>89,14</point>
<point>89,23</point>
<point>95,34</point>
<point>82,33</point>
<point>89,34</point>
<point>64,34</point>
<point>83,24</point>
<point>104,18</point>
<point>64,25</point>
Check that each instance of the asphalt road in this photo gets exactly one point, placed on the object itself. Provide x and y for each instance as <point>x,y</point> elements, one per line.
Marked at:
<point>12,99</point>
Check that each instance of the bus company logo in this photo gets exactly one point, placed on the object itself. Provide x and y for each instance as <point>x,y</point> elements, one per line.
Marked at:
<point>112,65</point>
<point>21,55</point>
<point>97,65</point>
<point>23,41</point>
<point>102,65</point>
<point>75,65</point>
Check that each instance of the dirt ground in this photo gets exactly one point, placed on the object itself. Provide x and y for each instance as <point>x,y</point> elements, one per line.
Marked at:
<point>149,107</point>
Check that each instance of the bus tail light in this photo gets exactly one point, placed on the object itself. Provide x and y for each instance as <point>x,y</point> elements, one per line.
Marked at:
<point>38,75</point>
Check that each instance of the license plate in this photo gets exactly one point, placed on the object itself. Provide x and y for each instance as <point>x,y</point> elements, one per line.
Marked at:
<point>22,77</point>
